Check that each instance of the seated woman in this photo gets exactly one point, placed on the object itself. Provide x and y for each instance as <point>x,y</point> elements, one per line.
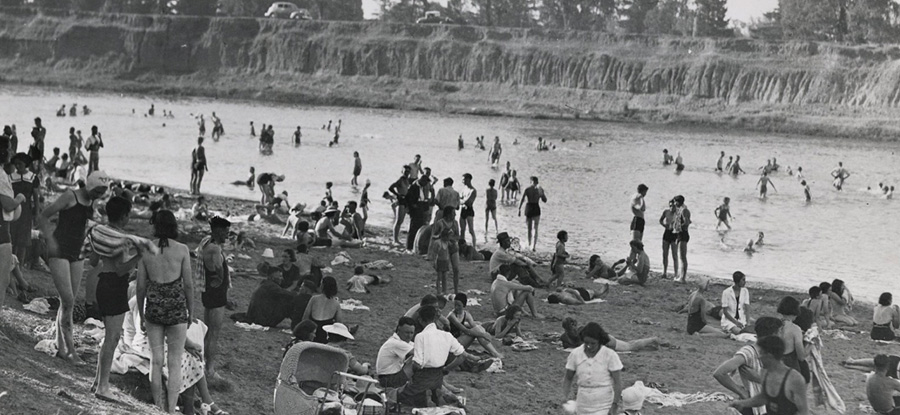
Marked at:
<point>290,273</point>
<point>429,300</point>
<point>507,325</point>
<point>572,338</point>
<point>598,269</point>
<point>200,210</point>
<point>842,303</point>
<point>575,295</point>
<point>698,311</point>
<point>324,309</point>
<point>325,230</point>
<point>818,306</point>
<point>885,318</point>
<point>466,329</point>
<point>305,331</point>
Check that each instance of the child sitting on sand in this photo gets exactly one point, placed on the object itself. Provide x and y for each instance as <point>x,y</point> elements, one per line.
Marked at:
<point>359,282</point>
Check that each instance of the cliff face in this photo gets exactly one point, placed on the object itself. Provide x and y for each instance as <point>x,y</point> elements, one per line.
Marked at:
<point>732,72</point>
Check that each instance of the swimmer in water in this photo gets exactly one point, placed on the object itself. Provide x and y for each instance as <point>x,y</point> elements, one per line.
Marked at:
<point>749,248</point>
<point>720,161</point>
<point>298,135</point>
<point>490,208</point>
<point>201,123</point>
<point>460,144</point>
<point>637,210</point>
<point>496,150</point>
<point>357,167</point>
<point>890,193</point>
<point>728,165</point>
<point>679,162</point>
<point>775,165</point>
<point>723,214</point>
<point>768,167</point>
<point>667,158</point>
<point>840,174</point>
<point>534,194</point>
<point>763,182</point>
<point>736,166</point>
<point>252,130</point>
<point>799,173</point>
<point>806,190</point>
<point>759,238</point>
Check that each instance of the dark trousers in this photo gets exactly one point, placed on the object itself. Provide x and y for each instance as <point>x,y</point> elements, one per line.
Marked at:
<point>416,220</point>
<point>524,274</point>
<point>423,380</point>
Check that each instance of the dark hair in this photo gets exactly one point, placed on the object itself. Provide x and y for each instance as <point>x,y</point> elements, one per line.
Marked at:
<point>593,261</point>
<point>448,182</point>
<point>165,227</point>
<point>885,299</point>
<point>837,287</point>
<point>815,291</point>
<point>553,298</point>
<point>825,286</point>
<point>511,311</point>
<point>767,326</point>
<point>310,284</point>
<point>738,276</point>
<point>491,182</point>
<point>642,188</point>
<point>329,287</point>
<point>117,208</point>
<point>804,319</point>
<point>405,321</point>
<point>594,331</point>
<point>789,306</point>
<point>447,211</point>
<point>561,234</point>
<point>428,314</point>
<point>303,226</point>
<point>461,297</point>
<point>534,179</point>
<point>882,362</point>
<point>291,254</point>
<point>441,300</point>
<point>358,270</point>
<point>772,345</point>
<point>302,248</point>
<point>304,329</point>
<point>428,299</point>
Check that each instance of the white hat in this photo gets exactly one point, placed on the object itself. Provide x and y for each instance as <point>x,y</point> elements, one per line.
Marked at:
<point>95,180</point>
<point>633,396</point>
<point>268,253</point>
<point>340,329</point>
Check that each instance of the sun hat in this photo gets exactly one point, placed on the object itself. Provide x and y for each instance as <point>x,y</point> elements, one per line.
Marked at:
<point>331,209</point>
<point>268,253</point>
<point>339,329</point>
<point>633,396</point>
<point>502,235</point>
<point>96,179</point>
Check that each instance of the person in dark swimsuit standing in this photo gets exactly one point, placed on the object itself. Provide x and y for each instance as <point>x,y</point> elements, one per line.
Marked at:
<point>64,246</point>
<point>669,239</point>
<point>9,202</point>
<point>534,194</point>
<point>215,290</point>
<point>399,189</point>
<point>198,166</point>
<point>165,297</point>
<point>26,183</point>
<point>680,228</point>
<point>783,389</point>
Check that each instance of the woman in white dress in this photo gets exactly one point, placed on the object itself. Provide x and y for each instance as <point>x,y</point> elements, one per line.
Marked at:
<point>596,369</point>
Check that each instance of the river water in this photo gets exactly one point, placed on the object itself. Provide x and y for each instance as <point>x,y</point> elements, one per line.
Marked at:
<point>852,235</point>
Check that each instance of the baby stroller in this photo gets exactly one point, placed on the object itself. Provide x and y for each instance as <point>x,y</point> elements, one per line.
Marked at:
<point>313,379</point>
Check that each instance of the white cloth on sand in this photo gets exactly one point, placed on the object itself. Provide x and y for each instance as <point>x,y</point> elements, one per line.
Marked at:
<point>379,264</point>
<point>351,304</point>
<point>341,258</point>
<point>678,399</point>
<point>250,327</point>
<point>38,306</point>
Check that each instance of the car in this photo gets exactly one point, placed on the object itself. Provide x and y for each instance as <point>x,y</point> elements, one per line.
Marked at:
<point>301,14</point>
<point>281,10</point>
<point>433,17</point>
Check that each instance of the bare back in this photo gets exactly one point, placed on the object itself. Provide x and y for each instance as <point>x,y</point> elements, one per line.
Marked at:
<point>172,262</point>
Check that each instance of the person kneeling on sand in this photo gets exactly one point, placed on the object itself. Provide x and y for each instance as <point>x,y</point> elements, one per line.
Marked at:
<point>576,295</point>
<point>505,293</point>
<point>571,338</point>
<point>507,262</point>
<point>637,266</point>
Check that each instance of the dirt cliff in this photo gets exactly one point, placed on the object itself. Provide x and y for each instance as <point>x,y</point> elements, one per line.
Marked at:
<point>794,86</point>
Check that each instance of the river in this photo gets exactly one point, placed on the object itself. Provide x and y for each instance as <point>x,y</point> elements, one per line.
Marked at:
<point>850,235</point>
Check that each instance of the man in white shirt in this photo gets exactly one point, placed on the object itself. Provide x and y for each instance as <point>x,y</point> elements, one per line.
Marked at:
<point>513,265</point>
<point>431,350</point>
<point>446,196</point>
<point>735,300</point>
<point>393,364</point>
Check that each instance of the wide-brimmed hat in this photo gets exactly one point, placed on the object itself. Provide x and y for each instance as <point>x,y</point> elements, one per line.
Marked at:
<point>502,235</point>
<point>268,253</point>
<point>339,329</point>
<point>96,180</point>
<point>633,396</point>
<point>331,209</point>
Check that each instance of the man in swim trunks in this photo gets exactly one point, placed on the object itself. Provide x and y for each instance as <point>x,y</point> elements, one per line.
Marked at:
<point>720,161</point>
<point>505,261</point>
<point>637,266</point>
<point>763,183</point>
<point>467,213</point>
<point>534,194</point>
<point>637,209</point>
<point>680,228</point>
<point>357,168</point>
<point>736,166</point>
<point>505,293</point>
<point>198,166</point>
<point>496,150</point>
<point>298,136</point>
<point>490,208</point>
<point>840,174</point>
<point>881,388</point>
<point>399,189</point>
<point>215,291</point>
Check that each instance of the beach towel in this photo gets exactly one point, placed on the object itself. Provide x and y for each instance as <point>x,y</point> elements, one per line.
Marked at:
<point>351,304</point>
<point>341,258</point>
<point>441,410</point>
<point>200,272</point>
<point>678,399</point>
<point>108,242</point>
<point>379,264</point>
<point>823,390</point>
<point>250,327</point>
<point>38,306</point>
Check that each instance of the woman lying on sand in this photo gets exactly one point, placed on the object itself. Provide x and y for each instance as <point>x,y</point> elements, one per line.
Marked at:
<point>572,338</point>
<point>576,295</point>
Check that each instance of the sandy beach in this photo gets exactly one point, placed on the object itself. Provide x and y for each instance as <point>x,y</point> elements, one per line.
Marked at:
<point>36,383</point>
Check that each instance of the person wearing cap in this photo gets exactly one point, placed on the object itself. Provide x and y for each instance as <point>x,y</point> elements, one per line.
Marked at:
<point>215,290</point>
<point>399,189</point>
<point>26,183</point>
<point>515,266</point>
<point>680,228</point>
<point>394,362</point>
<point>637,266</point>
<point>596,370</point>
<point>534,194</point>
<point>64,245</point>
<point>638,206</point>
<point>93,145</point>
<point>467,211</point>
<point>10,203</point>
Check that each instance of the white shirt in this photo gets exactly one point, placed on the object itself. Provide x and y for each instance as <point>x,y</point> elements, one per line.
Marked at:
<point>732,305</point>
<point>391,355</point>
<point>593,372</point>
<point>433,347</point>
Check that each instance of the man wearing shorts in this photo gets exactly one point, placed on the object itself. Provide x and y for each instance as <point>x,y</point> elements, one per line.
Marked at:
<point>215,291</point>
<point>198,166</point>
<point>637,209</point>
<point>467,214</point>
<point>534,194</point>
<point>496,150</point>
<point>357,168</point>
<point>399,189</point>
<point>490,208</point>
<point>505,293</point>
<point>680,227</point>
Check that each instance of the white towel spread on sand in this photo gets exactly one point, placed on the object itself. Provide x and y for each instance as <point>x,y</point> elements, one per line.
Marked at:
<point>678,399</point>
<point>379,264</point>
<point>250,327</point>
<point>341,258</point>
<point>744,337</point>
<point>441,410</point>
<point>496,366</point>
<point>47,346</point>
<point>38,306</point>
<point>351,304</point>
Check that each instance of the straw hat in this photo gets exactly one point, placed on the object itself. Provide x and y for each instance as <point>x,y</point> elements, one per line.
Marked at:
<point>339,329</point>
<point>633,396</point>
<point>268,253</point>
<point>331,209</point>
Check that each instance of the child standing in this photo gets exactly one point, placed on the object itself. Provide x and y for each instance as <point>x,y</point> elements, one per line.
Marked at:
<point>723,213</point>
<point>328,197</point>
<point>806,190</point>
<point>559,259</point>
<point>490,208</point>
<point>357,168</point>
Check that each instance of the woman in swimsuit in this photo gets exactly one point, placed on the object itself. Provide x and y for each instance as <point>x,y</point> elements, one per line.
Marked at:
<point>165,296</point>
<point>698,311</point>
<point>841,305</point>
<point>792,335</point>
<point>669,239</point>
<point>466,329</point>
<point>324,309</point>
<point>10,202</point>
<point>783,389</point>
<point>534,194</point>
<point>64,247</point>
<point>506,325</point>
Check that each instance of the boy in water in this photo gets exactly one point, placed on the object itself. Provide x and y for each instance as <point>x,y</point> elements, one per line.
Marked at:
<point>763,183</point>
<point>806,190</point>
<point>328,198</point>
<point>459,143</point>
<point>723,213</point>
<point>490,208</point>
<point>298,135</point>
<point>559,259</point>
<point>357,167</point>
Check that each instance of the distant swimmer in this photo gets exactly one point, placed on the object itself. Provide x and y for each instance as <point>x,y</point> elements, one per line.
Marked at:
<point>534,194</point>
<point>679,162</point>
<point>799,174</point>
<point>504,182</point>
<point>889,194</point>
<point>723,214</point>
<point>759,238</point>
<point>251,179</point>
<point>337,138</point>
<point>840,174</point>
<point>513,186</point>
<point>720,161</point>
<point>667,158</point>
<point>496,150</point>
<point>460,144</point>
<point>736,166</point>
<point>763,183</point>
<point>328,127</point>
<point>202,124</point>
<point>749,247</point>
<point>728,165</point>
<point>297,136</point>
<point>85,110</point>
<point>61,112</point>
<point>516,141</point>
<point>337,128</point>
<point>806,190</point>
<point>252,130</point>
<point>775,165</point>
<point>152,110</point>
<point>218,129</point>
<point>767,168</point>
<point>357,167</point>
<point>73,110</point>
<point>638,206</point>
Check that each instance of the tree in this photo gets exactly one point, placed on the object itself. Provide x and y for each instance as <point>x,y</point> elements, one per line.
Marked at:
<point>577,14</point>
<point>711,19</point>
<point>870,21</point>
<point>670,17</point>
<point>633,13</point>
<point>814,19</point>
